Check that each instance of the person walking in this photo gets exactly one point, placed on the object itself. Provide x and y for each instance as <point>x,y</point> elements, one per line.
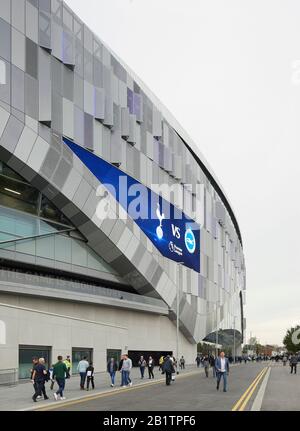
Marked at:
<point>39,377</point>
<point>90,376</point>
<point>150,367</point>
<point>51,377</point>
<point>59,373</point>
<point>142,364</point>
<point>198,361</point>
<point>293,364</point>
<point>284,360</point>
<point>175,365</point>
<point>81,368</point>
<point>35,362</point>
<point>222,370</point>
<point>125,370</point>
<point>120,369</point>
<point>212,363</point>
<point>112,368</point>
<point>68,363</point>
<point>168,369</point>
<point>160,362</point>
<point>130,368</point>
<point>182,363</point>
<point>206,365</point>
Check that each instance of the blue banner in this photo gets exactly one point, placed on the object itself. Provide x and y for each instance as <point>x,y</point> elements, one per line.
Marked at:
<point>174,234</point>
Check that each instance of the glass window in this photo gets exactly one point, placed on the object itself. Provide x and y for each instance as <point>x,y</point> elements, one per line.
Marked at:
<point>45,247</point>
<point>26,246</point>
<point>26,353</point>
<point>78,354</point>
<point>95,262</point>
<point>31,58</point>
<point>49,211</point>
<point>63,248</point>
<point>18,195</point>
<point>79,253</point>
<point>5,170</point>
<point>116,354</point>
<point>68,49</point>
<point>130,101</point>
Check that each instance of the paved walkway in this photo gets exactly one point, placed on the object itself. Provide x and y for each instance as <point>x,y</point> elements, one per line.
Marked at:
<point>18,397</point>
<point>282,389</point>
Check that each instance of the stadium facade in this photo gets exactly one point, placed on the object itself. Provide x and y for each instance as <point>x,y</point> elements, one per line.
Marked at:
<point>79,273</point>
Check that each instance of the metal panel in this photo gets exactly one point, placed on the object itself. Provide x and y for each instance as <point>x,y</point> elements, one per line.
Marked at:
<point>45,97</point>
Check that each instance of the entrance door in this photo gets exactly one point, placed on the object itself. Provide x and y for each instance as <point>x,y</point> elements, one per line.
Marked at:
<point>26,353</point>
<point>78,353</point>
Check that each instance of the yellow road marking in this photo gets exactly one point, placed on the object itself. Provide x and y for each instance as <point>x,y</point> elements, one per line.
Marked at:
<point>59,405</point>
<point>252,390</point>
<point>242,402</point>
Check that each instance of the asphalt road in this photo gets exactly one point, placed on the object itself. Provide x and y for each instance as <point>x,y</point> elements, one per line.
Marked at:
<point>188,392</point>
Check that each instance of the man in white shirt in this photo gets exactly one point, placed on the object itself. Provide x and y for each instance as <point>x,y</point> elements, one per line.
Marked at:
<point>81,368</point>
<point>222,369</point>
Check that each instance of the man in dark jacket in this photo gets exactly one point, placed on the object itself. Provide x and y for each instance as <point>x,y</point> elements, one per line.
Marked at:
<point>142,364</point>
<point>150,367</point>
<point>90,376</point>
<point>168,369</point>
<point>222,370</point>
<point>212,363</point>
<point>39,376</point>
<point>293,364</point>
<point>35,362</point>
<point>112,368</point>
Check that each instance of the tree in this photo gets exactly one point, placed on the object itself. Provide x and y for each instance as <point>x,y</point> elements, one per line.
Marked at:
<point>291,340</point>
<point>204,348</point>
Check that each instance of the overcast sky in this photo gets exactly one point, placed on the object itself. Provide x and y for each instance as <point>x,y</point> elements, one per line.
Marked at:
<point>229,71</point>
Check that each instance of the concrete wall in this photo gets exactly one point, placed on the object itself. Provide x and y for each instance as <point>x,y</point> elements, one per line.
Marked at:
<point>63,325</point>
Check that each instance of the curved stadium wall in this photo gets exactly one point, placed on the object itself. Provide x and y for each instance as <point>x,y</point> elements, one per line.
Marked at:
<point>68,104</point>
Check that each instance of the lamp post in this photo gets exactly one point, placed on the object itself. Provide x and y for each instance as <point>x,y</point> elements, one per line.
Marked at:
<point>234,317</point>
<point>217,330</point>
<point>177,314</point>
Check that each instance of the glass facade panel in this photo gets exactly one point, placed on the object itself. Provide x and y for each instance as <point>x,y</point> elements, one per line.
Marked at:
<point>15,192</point>
<point>62,249</point>
<point>25,212</point>
<point>79,253</point>
<point>26,246</point>
<point>78,354</point>
<point>18,195</point>
<point>45,247</point>
<point>26,353</point>
<point>49,211</point>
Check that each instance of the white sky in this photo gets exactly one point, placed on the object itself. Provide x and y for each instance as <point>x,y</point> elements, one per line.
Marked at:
<point>229,71</point>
